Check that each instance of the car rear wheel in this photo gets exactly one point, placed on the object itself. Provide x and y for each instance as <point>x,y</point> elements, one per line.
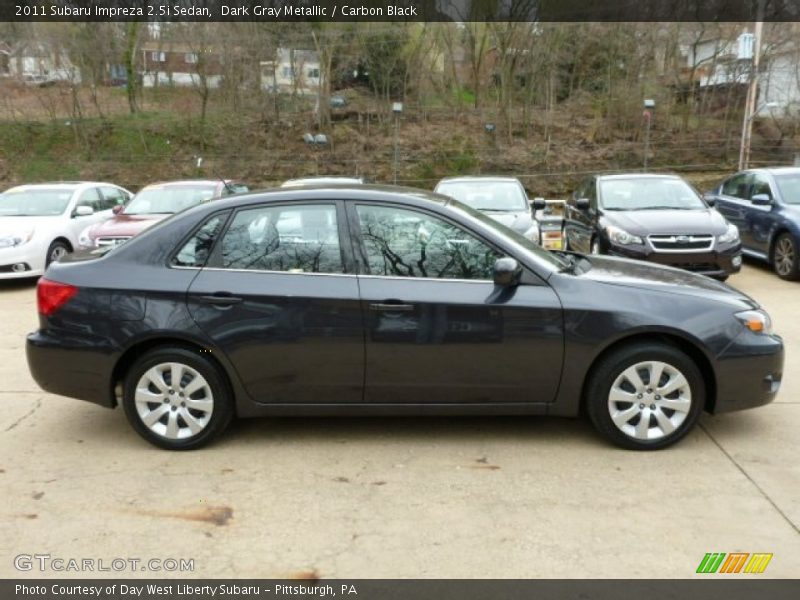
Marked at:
<point>645,396</point>
<point>785,258</point>
<point>54,253</point>
<point>177,399</point>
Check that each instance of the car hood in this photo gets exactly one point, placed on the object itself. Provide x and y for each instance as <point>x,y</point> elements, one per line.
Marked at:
<point>639,274</point>
<point>517,220</point>
<point>17,225</point>
<point>125,225</point>
<point>645,222</point>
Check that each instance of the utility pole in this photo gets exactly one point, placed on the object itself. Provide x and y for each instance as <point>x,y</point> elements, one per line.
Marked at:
<point>752,92</point>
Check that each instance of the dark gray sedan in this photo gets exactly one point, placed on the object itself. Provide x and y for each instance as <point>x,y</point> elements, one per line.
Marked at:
<point>366,300</point>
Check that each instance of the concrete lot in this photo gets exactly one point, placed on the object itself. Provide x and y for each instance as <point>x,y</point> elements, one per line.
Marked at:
<point>503,497</point>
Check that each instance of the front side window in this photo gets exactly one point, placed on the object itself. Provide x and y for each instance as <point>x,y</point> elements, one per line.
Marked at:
<point>406,243</point>
<point>292,238</point>
<point>194,253</point>
<point>92,198</point>
<point>113,196</point>
<point>737,186</point>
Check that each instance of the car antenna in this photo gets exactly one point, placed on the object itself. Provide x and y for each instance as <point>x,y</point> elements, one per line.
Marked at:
<point>225,183</point>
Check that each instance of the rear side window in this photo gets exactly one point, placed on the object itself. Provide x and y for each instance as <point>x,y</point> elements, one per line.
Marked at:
<point>194,252</point>
<point>292,238</point>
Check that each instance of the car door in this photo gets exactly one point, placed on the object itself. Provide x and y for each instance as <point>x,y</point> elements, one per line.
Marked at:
<point>278,298</point>
<point>579,223</point>
<point>761,218</point>
<point>438,330</point>
<point>733,202</point>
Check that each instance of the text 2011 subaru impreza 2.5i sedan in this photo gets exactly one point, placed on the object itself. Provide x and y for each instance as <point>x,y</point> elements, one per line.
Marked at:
<point>372,300</point>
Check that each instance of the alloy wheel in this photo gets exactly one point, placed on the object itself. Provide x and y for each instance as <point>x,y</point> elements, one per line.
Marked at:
<point>784,256</point>
<point>649,400</point>
<point>57,252</point>
<point>174,401</point>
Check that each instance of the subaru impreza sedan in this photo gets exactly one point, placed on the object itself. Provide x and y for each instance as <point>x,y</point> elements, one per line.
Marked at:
<point>368,300</point>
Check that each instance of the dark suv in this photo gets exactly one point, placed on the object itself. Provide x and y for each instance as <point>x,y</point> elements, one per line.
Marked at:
<point>659,218</point>
<point>765,205</point>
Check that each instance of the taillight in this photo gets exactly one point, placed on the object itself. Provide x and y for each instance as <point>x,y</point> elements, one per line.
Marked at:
<point>52,295</point>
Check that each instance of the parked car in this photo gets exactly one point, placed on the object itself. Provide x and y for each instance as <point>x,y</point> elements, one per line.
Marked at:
<point>39,223</point>
<point>658,218</point>
<point>502,198</point>
<point>765,205</point>
<point>322,180</point>
<point>152,204</point>
<point>376,300</point>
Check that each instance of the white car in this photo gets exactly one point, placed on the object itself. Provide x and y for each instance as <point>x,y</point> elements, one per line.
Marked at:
<point>40,223</point>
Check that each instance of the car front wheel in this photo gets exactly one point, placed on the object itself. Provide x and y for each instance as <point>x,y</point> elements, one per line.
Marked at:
<point>55,252</point>
<point>785,259</point>
<point>176,399</point>
<point>645,396</point>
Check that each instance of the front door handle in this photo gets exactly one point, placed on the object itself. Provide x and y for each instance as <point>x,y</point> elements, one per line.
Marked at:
<point>391,307</point>
<point>220,299</point>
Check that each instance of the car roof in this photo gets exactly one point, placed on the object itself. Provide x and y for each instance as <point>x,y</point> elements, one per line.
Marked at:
<point>188,182</point>
<point>350,192</point>
<point>639,176</point>
<point>322,180</point>
<point>776,170</point>
<point>477,178</point>
<point>63,185</point>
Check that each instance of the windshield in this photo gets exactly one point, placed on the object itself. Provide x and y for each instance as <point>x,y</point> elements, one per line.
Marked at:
<point>513,235</point>
<point>656,193</point>
<point>34,202</point>
<point>168,199</point>
<point>502,196</point>
<point>789,184</point>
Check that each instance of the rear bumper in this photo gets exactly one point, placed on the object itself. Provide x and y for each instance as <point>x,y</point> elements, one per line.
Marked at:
<point>713,263</point>
<point>749,372</point>
<point>71,366</point>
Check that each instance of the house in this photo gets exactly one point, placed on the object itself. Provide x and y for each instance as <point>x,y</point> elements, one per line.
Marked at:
<point>292,71</point>
<point>41,61</point>
<point>719,63</point>
<point>180,64</point>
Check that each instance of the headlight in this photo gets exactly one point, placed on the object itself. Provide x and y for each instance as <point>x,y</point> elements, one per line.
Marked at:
<point>10,241</point>
<point>756,321</point>
<point>84,240</point>
<point>730,235</point>
<point>622,237</point>
<point>533,234</point>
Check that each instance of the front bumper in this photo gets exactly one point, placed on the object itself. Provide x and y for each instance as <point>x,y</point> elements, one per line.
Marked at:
<point>71,366</point>
<point>714,263</point>
<point>31,255</point>
<point>749,372</point>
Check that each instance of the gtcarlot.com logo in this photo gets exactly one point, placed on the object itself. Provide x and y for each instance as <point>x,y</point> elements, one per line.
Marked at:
<point>47,562</point>
<point>734,562</point>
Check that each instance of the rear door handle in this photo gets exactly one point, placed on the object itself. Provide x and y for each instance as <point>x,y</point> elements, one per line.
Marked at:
<point>220,299</point>
<point>390,307</point>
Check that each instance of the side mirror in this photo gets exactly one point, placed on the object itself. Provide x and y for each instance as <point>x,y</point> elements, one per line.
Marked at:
<point>507,272</point>
<point>710,198</point>
<point>761,199</point>
<point>83,211</point>
<point>582,203</point>
<point>117,209</point>
<point>538,204</point>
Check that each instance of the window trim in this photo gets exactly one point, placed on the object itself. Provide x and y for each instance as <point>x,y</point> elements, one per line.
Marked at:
<point>215,258</point>
<point>359,249</point>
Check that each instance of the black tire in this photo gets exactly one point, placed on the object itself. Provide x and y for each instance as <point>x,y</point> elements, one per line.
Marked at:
<point>221,399</point>
<point>786,267</point>
<point>56,247</point>
<point>607,371</point>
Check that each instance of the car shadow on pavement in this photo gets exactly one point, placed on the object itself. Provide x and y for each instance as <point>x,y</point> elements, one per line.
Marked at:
<point>11,285</point>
